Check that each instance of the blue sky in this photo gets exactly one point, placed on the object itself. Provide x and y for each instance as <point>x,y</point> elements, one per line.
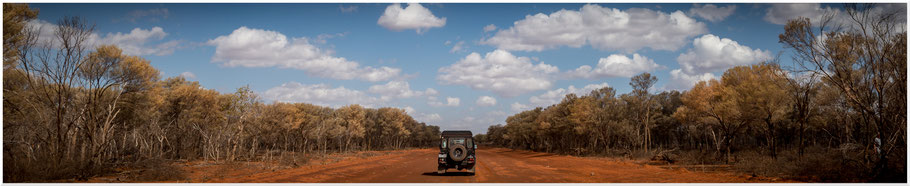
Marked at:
<point>421,56</point>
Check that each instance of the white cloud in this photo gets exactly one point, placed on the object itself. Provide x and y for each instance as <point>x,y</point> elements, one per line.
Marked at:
<point>450,101</point>
<point>555,96</point>
<point>423,117</point>
<point>188,75</point>
<point>399,89</point>
<point>489,27</point>
<point>679,80</point>
<point>414,16</point>
<point>431,92</point>
<point>459,47</point>
<point>711,53</point>
<point>453,101</point>
<point>601,27</point>
<point>518,107</point>
<point>264,48</point>
<point>137,42</point>
<point>486,101</point>
<point>319,94</point>
<point>500,72</point>
<point>616,65</point>
<point>780,13</point>
<point>712,12</point>
<point>410,110</point>
<point>323,38</point>
<point>429,118</point>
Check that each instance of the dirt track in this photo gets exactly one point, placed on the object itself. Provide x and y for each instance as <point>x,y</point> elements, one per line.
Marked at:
<point>495,165</point>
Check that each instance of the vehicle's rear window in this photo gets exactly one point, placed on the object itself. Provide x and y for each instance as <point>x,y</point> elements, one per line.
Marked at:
<point>461,141</point>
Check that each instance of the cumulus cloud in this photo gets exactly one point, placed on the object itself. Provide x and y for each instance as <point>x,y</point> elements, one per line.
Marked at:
<point>248,47</point>
<point>682,81</point>
<point>423,117</point>
<point>601,27</point>
<point>780,13</point>
<point>555,96</point>
<point>459,47</point>
<point>414,17</point>
<point>450,101</point>
<point>783,12</point>
<point>711,53</point>
<point>486,101</point>
<point>489,27</point>
<point>137,42</point>
<point>431,92</point>
<point>616,65</point>
<point>399,89</point>
<point>319,94</point>
<point>500,72</point>
<point>188,75</point>
<point>712,12</point>
<point>429,118</point>
<point>518,107</point>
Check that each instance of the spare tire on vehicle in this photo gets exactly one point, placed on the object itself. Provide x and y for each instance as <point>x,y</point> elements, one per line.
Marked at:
<point>458,152</point>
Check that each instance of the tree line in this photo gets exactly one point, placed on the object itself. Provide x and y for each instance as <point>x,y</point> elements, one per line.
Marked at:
<point>70,111</point>
<point>844,98</point>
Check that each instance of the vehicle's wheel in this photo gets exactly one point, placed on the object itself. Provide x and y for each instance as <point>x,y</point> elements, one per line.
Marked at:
<point>458,153</point>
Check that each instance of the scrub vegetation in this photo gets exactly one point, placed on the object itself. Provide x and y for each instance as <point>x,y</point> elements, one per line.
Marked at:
<point>70,111</point>
<point>837,115</point>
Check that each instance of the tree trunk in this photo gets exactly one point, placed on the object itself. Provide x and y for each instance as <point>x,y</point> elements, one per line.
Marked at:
<point>802,124</point>
<point>772,146</point>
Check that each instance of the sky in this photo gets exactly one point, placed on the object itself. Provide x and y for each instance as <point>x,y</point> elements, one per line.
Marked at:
<point>455,65</point>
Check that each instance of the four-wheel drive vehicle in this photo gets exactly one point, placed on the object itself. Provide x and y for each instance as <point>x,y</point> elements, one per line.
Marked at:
<point>457,151</point>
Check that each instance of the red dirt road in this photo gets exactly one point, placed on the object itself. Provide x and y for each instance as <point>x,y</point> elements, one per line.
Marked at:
<point>494,165</point>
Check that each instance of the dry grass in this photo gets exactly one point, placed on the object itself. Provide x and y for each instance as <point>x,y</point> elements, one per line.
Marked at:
<point>294,159</point>
<point>154,170</point>
<point>816,165</point>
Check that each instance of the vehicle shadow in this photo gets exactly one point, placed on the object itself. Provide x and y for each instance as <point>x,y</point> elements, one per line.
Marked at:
<point>447,174</point>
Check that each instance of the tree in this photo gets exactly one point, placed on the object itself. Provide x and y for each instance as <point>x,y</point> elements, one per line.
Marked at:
<point>712,104</point>
<point>640,85</point>
<point>668,130</point>
<point>50,71</point>
<point>353,116</point>
<point>760,95</point>
<point>866,60</point>
<point>15,17</point>
<point>802,90</point>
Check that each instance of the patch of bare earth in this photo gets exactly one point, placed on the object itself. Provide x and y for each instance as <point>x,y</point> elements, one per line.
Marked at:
<point>495,165</point>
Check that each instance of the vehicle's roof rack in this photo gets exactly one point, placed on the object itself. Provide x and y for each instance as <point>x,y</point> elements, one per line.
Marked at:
<point>457,133</point>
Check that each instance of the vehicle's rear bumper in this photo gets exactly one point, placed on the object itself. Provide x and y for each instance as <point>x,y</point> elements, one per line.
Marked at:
<point>457,165</point>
